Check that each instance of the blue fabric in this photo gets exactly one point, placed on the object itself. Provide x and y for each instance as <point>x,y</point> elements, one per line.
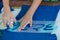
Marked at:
<point>43,13</point>
<point>27,36</point>
<point>1,5</point>
<point>47,13</point>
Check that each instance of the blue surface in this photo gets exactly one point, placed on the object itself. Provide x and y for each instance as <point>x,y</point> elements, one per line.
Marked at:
<point>27,36</point>
<point>43,13</point>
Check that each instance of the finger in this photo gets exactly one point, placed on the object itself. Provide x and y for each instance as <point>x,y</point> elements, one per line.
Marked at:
<point>31,23</point>
<point>4,22</point>
<point>10,23</point>
<point>21,19</point>
<point>14,19</point>
<point>23,25</point>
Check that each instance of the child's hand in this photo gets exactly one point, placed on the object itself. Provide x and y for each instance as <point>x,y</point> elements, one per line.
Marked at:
<point>7,17</point>
<point>27,19</point>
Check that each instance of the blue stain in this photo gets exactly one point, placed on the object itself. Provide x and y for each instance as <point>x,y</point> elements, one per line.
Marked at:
<point>15,26</point>
<point>48,27</point>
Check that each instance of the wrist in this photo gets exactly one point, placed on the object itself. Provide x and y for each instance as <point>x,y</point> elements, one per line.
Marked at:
<point>30,14</point>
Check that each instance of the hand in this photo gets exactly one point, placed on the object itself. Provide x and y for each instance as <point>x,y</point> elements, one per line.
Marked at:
<point>27,19</point>
<point>7,17</point>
